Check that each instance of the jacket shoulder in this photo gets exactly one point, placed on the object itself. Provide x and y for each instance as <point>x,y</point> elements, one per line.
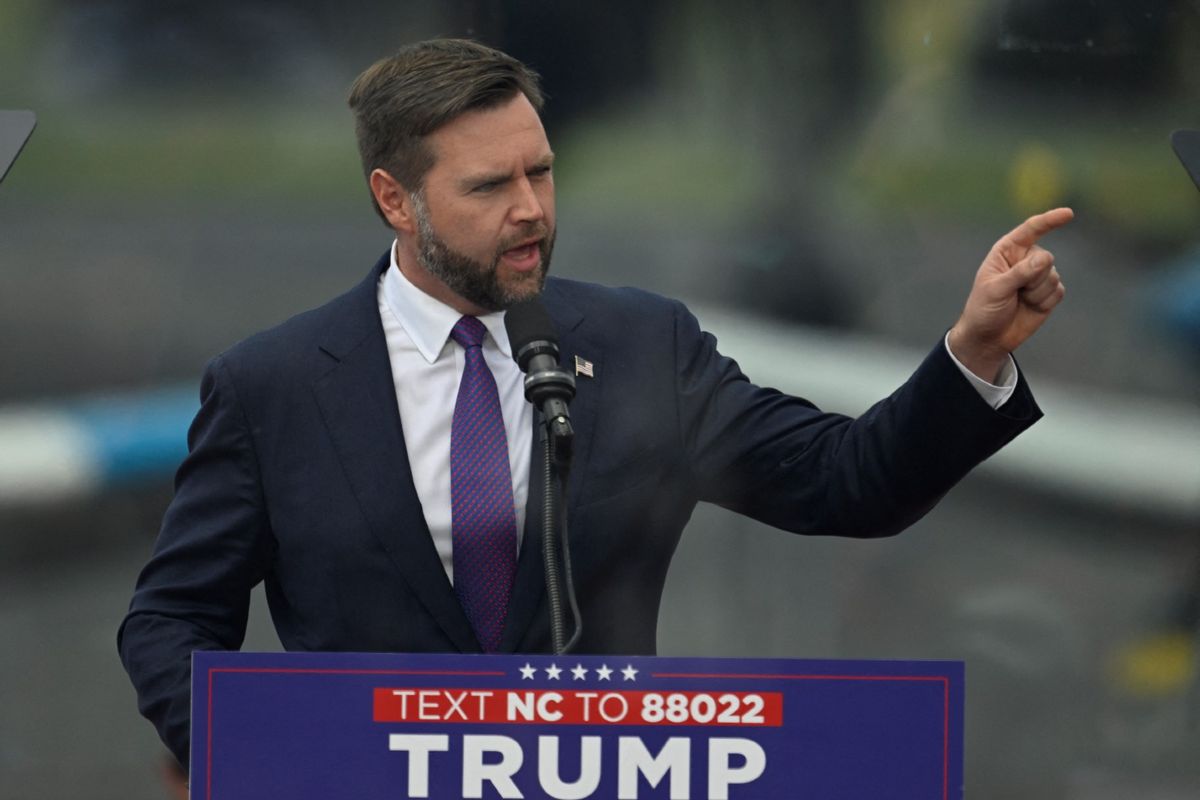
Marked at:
<point>335,327</point>
<point>598,297</point>
<point>619,311</point>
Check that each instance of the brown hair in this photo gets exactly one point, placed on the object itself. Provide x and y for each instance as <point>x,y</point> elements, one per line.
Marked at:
<point>400,100</point>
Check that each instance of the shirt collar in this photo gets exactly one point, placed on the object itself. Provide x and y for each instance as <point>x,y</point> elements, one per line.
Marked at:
<point>428,321</point>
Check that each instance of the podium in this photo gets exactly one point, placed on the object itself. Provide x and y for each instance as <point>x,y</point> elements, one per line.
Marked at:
<point>367,725</point>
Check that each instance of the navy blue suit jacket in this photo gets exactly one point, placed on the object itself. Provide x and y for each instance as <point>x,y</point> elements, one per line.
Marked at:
<point>298,476</point>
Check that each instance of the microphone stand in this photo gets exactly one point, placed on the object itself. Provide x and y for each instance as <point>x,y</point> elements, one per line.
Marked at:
<point>1186,144</point>
<point>556,437</point>
<point>550,389</point>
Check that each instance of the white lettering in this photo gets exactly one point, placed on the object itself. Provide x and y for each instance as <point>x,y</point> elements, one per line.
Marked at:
<point>426,704</point>
<point>520,706</point>
<point>586,698</point>
<point>497,760</point>
<point>455,705</point>
<point>482,697</point>
<point>589,768</point>
<point>418,748</point>
<point>610,699</point>
<point>547,713</point>
<point>403,694</point>
<point>499,774</point>
<point>721,776</point>
<point>633,759</point>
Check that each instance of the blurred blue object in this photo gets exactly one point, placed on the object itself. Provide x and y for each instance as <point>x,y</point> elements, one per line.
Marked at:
<point>55,452</point>
<point>1174,301</point>
<point>135,437</point>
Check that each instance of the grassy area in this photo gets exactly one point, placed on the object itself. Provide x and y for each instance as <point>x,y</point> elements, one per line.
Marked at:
<point>651,167</point>
<point>195,154</point>
<point>1127,179</point>
<point>200,154</point>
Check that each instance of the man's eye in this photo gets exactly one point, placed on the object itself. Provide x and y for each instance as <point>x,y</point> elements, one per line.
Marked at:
<point>486,187</point>
<point>539,172</point>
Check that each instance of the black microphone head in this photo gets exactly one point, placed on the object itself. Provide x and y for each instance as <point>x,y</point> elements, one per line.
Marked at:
<point>530,331</point>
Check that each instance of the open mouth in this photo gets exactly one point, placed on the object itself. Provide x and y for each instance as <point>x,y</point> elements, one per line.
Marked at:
<point>525,256</point>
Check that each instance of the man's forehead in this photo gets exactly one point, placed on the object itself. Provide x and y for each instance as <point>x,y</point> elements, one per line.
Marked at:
<point>481,137</point>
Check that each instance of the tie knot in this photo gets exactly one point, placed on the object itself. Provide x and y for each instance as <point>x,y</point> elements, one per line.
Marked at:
<point>468,332</point>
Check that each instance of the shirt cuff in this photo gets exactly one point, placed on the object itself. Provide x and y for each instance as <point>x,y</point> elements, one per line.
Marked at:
<point>997,394</point>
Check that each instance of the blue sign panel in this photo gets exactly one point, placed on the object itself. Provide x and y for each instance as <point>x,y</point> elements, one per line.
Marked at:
<point>322,725</point>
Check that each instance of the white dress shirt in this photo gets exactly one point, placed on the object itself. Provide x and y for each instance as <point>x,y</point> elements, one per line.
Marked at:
<point>994,394</point>
<point>427,367</point>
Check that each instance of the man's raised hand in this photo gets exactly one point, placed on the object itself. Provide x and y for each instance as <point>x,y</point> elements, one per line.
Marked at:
<point>1015,289</point>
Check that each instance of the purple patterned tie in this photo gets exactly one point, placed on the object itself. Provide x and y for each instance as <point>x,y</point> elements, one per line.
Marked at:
<point>484,522</point>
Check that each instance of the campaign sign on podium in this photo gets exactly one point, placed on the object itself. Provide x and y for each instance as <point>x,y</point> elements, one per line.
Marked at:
<point>324,725</point>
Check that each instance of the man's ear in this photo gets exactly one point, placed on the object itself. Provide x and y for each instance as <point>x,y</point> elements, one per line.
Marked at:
<point>394,201</point>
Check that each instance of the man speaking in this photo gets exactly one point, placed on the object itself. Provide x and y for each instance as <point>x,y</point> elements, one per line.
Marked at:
<point>370,459</point>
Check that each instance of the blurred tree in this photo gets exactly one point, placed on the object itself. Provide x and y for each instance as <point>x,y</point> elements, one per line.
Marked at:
<point>589,55</point>
<point>1111,48</point>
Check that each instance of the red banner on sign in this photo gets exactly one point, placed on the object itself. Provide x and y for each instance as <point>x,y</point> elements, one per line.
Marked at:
<point>575,707</point>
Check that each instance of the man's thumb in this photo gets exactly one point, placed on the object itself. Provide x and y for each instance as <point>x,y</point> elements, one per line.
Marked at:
<point>1026,271</point>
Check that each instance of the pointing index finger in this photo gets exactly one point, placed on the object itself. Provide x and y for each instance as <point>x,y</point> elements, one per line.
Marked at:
<point>1028,232</point>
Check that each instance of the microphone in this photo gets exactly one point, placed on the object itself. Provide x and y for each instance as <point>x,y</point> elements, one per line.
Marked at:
<point>549,387</point>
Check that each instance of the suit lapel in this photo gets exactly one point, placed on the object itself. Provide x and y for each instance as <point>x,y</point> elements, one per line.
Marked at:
<point>575,340</point>
<point>528,584</point>
<point>358,404</point>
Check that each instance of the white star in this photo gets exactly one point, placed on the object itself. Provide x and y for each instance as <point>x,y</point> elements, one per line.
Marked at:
<point>629,672</point>
<point>580,672</point>
<point>553,671</point>
<point>604,672</point>
<point>527,672</point>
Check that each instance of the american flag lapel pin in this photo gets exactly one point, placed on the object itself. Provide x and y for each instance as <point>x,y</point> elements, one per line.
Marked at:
<point>584,367</point>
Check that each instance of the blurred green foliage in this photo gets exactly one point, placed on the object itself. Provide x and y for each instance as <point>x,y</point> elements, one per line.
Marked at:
<point>740,117</point>
<point>1128,180</point>
<point>19,21</point>
<point>644,165</point>
<point>227,153</point>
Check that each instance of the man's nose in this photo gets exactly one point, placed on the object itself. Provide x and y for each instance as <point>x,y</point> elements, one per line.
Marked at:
<point>526,205</point>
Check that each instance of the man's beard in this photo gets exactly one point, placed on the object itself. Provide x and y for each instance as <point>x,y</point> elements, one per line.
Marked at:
<point>474,281</point>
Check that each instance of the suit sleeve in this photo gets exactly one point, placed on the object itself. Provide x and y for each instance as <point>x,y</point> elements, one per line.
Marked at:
<point>212,550</point>
<point>784,462</point>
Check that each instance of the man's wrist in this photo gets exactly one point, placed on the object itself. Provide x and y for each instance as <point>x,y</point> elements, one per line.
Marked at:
<point>985,363</point>
<point>996,392</point>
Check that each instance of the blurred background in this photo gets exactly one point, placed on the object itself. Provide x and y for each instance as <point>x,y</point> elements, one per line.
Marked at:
<point>819,179</point>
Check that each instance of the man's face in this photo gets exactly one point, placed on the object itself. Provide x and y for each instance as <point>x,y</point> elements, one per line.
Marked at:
<point>485,215</point>
<point>477,282</point>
